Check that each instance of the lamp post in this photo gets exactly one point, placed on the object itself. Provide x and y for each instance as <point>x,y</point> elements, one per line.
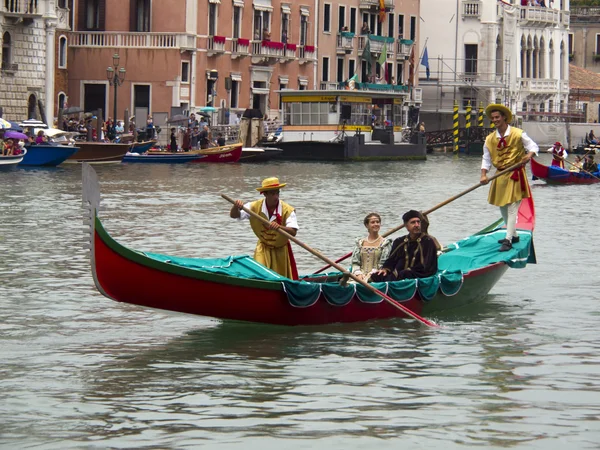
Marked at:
<point>115,77</point>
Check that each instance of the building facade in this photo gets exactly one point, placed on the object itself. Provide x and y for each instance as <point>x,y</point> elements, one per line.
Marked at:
<point>494,51</point>
<point>584,37</point>
<point>29,48</point>
<point>226,54</point>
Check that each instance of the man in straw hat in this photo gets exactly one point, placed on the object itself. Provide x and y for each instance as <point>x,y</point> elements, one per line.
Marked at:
<point>411,256</point>
<point>559,154</point>
<point>273,250</point>
<point>505,147</point>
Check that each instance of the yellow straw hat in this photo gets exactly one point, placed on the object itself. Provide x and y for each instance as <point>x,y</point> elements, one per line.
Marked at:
<point>270,184</point>
<point>498,107</point>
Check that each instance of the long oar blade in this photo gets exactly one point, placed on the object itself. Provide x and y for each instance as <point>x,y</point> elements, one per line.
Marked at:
<point>390,300</point>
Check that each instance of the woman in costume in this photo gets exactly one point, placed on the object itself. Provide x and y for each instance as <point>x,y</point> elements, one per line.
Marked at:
<point>371,252</point>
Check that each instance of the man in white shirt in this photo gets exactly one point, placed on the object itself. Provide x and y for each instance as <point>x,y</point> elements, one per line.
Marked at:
<point>504,148</point>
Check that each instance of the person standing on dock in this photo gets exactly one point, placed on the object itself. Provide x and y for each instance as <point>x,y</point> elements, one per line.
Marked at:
<point>503,148</point>
<point>273,250</point>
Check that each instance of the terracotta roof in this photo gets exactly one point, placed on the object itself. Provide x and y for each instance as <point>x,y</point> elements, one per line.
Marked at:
<point>580,78</point>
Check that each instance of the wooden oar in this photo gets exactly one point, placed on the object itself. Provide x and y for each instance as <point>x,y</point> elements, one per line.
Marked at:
<point>580,169</point>
<point>347,274</point>
<point>436,207</point>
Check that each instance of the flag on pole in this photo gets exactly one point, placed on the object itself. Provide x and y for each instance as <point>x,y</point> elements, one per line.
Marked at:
<point>382,59</point>
<point>411,67</point>
<point>381,11</point>
<point>366,56</point>
<point>425,62</point>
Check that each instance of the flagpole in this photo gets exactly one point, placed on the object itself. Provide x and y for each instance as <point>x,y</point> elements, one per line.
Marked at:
<point>424,47</point>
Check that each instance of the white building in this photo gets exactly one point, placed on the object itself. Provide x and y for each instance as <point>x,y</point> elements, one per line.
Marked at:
<point>482,51</point>
<point>28,69</point>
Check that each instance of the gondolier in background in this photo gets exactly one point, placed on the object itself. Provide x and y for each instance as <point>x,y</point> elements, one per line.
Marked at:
<point>412,256</point>
<point>559,154</point>
<point>503,148</point>
<point>273,250</point>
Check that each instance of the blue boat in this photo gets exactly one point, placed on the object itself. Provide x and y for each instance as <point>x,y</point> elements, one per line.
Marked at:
<point>47,154</point>
<point>162,159</point>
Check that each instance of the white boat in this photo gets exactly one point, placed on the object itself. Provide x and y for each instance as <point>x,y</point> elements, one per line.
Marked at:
<point>12,160</point>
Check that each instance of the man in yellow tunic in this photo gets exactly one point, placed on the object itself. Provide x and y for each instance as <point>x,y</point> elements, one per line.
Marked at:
<point>504,148</point>
<point>273,250</point>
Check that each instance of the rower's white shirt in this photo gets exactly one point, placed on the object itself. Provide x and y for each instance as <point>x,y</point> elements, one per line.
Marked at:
<point>530,146</point>
<point>565,154</point>
<point>291,221</point>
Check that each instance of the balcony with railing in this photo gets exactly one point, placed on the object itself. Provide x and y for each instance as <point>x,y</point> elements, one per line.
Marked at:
<point>21,8</point>
<point>306,53</point>
<point>92,39</point>
<point>215,45</point>
<point>538,85</point>
<point>240,48</point>
<point>290,52</point>
<point>403,48</point>
<point>374,4</point>
<point>345,42</point>
<point>376,43</point>
<point>268,52</point>
<point>471,9</point>
<point>538,15</point>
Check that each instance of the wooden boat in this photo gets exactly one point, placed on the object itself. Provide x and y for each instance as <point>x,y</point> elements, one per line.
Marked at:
<point>12,160</point>
<point>224,154</point>
<point>557,175</point>
<point>168,158</point>
<point>260,154</point>
<point>99,152</point>
<point>47,154</point>
<point>238,288</point>
<point>141,147</point>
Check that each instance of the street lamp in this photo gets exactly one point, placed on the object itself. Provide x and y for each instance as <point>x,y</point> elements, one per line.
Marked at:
<point>115,77</point>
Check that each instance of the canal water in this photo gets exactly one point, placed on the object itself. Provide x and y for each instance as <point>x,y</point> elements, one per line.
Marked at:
<point>81,371</point>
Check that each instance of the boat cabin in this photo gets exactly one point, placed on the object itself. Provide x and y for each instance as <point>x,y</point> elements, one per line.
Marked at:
<point>372,109</point>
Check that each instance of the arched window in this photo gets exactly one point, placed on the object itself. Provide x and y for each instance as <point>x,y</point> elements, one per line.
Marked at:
<point>61,100</point>
<point>523,58</point>
<point>6,51</point>
<point>62,52</point>
<point>31,104</point>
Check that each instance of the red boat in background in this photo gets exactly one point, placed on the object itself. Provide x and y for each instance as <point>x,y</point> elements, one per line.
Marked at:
<point>226,154</point>
<point>557,175</point>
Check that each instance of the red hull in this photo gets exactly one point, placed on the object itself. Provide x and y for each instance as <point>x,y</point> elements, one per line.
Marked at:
<point>543,173</point>
<point>228,154</point>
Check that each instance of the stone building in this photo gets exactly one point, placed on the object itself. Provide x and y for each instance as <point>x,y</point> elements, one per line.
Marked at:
<point>28,29</point>
<point>584,37</point>
<point>494,51</point>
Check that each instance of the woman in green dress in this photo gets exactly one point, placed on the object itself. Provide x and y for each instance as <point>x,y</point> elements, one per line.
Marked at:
<point>371,252</point>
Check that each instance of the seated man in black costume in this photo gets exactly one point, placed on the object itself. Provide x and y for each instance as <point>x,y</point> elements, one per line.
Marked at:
<point>412,256</point>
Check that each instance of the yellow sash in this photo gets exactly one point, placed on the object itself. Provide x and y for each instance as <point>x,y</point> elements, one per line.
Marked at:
<point>271,249</point>
<point>504,190</point>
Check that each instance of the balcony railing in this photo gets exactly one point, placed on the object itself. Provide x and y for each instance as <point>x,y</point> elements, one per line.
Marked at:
<point>240,48</point>
<point>471,9</point>
<point>131,40</point>
<point>268,51</point>
<point>345,42</point>
<point>329,86</point>
<point>306,53</point>
<point>290,51</point>
<point>21,7</point>
<point>403,47</point>
<point>538,85</point>
<point>376,43</point>
<point>565,18</point>
<point>540,15</point>
<point>374,4</point>
<point>215,45</point>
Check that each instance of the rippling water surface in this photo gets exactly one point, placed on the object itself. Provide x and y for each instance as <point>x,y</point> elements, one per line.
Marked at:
<point>81,371</point>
